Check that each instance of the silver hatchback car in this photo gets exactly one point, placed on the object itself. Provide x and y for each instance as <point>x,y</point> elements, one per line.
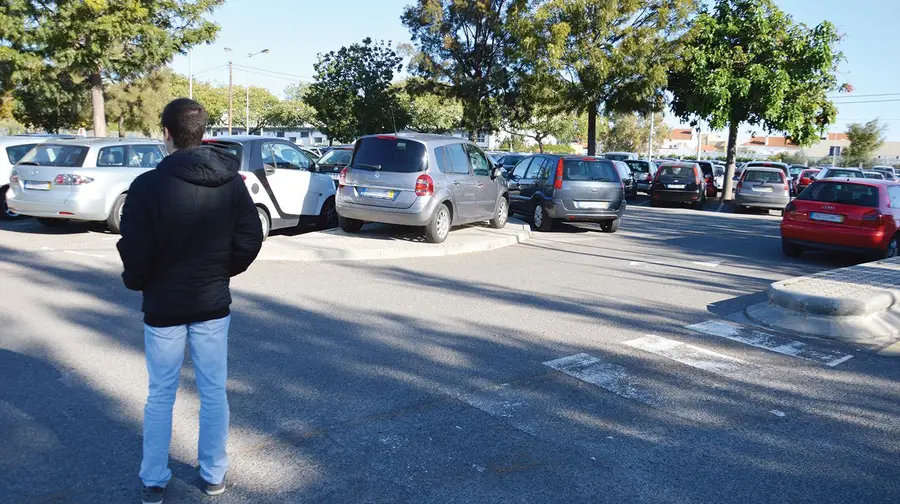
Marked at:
<point>83,179</point>
<point>414,179</point>
<point>766,188</point>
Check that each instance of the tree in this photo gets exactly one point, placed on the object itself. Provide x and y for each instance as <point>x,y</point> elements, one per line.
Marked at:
<point>865,139</point>
<point>429,112</point>
<point>264,109</point>
<point>52,103</point>
<point>98,41</point>
<point>214,98</point>
<point>467,51</point>
<point>624,134</point>
<point>352,93</point>
<point>544,123</point>
<point>746,61</point>
<point>612,55</point>
<point>136,105</point>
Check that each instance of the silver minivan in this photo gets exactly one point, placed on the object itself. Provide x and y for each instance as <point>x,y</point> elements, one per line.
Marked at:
<point>765,188</point>
<point>414,179</point>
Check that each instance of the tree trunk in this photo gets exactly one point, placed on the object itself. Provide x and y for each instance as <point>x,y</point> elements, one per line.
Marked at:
<point>121,126</point>
<point>540,142</point>
<point>592,130</point>
<point>730,156</point>
<point>98,105</point>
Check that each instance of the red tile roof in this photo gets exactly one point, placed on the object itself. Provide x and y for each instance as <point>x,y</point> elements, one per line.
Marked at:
<point>773,141</point>
<point>681,134</point>
<point>838,136</point>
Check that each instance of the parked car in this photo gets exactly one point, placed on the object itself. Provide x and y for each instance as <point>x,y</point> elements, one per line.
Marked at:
<point>871,174</point>
<point>835,172</point>
<point>784,167</point>
<point>681,182</point>
<point>850,215</point>
<point>83,179</point>
<point>806,178</point>
<point>553,188</point>
<point>795,170</point>
<point>334,161</point>
<point>620,156</point>
<point>888,171</point>
<point>415,179</point>
<point>510,160</point>
<point>14,148</point>
<point>766,188</point>
<point>719,176</point>
<point>284,187</point>
<point>643,171</point>
<point>709,174</point>
<point>629,181</point>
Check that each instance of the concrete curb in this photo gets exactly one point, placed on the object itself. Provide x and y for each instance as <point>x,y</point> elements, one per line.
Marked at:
<point>514,232</point>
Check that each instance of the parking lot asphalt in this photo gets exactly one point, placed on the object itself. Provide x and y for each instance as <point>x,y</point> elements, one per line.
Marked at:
<point>561,369</point>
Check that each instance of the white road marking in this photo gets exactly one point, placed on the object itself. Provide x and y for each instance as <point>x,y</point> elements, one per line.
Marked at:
<point>721,205</point>
<point>777,413</point>
<point>99,256</point>
<point>708,264</point>
<point>608,376</point>
<point>643,203</point>
<point>110,238</point>
<point>47,248</point>
<point>636,263</point>
<point>766,341</point>
<point>690,355</point>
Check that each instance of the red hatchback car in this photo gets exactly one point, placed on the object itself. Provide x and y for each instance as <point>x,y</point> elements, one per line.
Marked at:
<point>852,215</point>
<point>805,178</point>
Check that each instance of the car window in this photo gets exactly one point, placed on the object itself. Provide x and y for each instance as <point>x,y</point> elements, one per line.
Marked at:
<point>144,156</point>
<point>480,165</point>
<point>112,156</point>
<point>894,195</point>
<point>590,169</point>
<point>16,152</point>
<point>390,153</point>
<point>283,156</point>
<point>706,168</point>
<point>638,166</point>
<point>841,192</point>
<point>808,174</point>
<point>69,156</point>
<point>337,156</point>
<point>874,175</point>
<point>624,170</point>
<point>510,160</point>
<point>763,176</point>
<point>522,168</point>
<point>673,171</point>
<point>843,173</point>
<point>440,155</point>
<point>537,168</point>
<point>458,159</point>
<point>234,148</point>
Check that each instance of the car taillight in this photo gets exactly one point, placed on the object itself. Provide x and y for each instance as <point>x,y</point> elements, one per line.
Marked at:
<point>804,181</point>
<point>740,183</point>
<point>786,187</point>
<point>243,177</point>
<point>424,185</point>
<point>873,219</point>
<point>342,178</point>
<point>13,176</point>
<point>557,182</point>
<point>69,179</point>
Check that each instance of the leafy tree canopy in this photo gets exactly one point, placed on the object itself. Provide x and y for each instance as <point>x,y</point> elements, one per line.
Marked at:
<point>865,139</point>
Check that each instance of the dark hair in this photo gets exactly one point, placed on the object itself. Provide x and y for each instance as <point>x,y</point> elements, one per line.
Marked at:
<point>186,121</point>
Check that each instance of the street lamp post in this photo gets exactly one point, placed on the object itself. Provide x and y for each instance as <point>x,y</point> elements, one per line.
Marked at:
<point>247,89</point>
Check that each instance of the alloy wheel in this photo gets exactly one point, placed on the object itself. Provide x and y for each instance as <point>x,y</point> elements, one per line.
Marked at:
<point>538,216</point>
<point>443,222</point>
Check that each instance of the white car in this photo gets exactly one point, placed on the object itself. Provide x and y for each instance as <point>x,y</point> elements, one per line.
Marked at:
<point>285,189</point>
<point>12,149</point>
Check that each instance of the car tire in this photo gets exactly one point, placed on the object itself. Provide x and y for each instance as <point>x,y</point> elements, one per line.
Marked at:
<point>328,217</point>
<point>540,219</point>
<point>349,225</point>
<point>264,222</point>
<point>114,221</point>
<point>5,212</point>
<point>502,216</point>
<point>790,249</point>
<point>655,204</point>
<point>52,223</point>
<point>439,227</point>
<point>610,226</point>
<point>891,250</point>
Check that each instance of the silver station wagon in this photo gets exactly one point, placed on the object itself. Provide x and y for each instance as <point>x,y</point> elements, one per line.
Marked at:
<point>83,179</point>
<point>428,181</point>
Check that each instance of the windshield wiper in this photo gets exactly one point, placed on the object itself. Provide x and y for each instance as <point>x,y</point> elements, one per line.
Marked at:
<point>601,180</point>
<point>29,163</point>
<point>372,166</point>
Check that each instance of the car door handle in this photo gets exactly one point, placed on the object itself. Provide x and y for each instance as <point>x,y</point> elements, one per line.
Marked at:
<point>456,182</point>
<point>270,171</point>
<point>480,185</point>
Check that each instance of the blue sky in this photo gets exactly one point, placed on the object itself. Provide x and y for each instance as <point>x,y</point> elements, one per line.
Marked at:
<point>295,31</point>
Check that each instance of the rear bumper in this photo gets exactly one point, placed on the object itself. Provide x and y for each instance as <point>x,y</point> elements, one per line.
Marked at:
<point>834,237</point>
<point>644,186</point>
<point>81,207</point>
<point>676,196</point>
<point>833,247</point>
<point>559,211</point>
<point>419,214</point>
<point>776,203</point>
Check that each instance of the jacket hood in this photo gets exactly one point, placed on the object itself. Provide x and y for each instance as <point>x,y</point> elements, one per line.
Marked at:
<point>204,165</point>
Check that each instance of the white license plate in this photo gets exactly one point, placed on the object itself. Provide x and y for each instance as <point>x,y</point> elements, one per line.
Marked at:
<point>594,205</point>
<point>378,193</point>
<point>762,189</point>
<point>826,217</point>
<point>676,186</point>
<point>37,186</point>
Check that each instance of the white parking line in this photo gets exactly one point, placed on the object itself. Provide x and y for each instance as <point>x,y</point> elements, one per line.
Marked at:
<point>73,252</point>
<point>721,205</point>
<point>608,376</point>
<point>690,355</point>
<point>766,341</point>
<point>708,264</point>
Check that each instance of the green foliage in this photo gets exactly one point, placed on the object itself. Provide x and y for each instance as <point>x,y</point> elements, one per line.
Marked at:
<point>264,108</point>
<point>798,158</point>
<point>52,104</point>
<point>543,123</point>
<point>429,112</point>
<point>136,105</point>
<point>514,143</point>
<point>214,98</point>
<point>352,93</point>
<point>865,139</point>
<point>629,132</point>
<point>554,149</point>
<point>467,50</point>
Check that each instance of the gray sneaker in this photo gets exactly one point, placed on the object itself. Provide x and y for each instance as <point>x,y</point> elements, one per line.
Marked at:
<point>152,495</point>
<point>213,490</point>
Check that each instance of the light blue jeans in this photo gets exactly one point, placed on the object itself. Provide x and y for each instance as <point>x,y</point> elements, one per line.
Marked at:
<point>164,347</point>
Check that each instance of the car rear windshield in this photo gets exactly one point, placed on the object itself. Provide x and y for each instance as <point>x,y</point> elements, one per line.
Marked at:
<point>874,175</point>
<point>843,173</point>
<point>337,156</point>
<point>17,152</point>
<point>234,148</point>
<point>69,156</point>
<point>638,166</point>
<point>589,169</point>
<point>511,160</point>
<point>752,175</point>
<point>841,192</point>
<point>389,154</point>
<point>674,172</point>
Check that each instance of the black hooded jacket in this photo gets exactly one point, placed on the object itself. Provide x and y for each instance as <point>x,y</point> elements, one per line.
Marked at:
<point>188,227</point>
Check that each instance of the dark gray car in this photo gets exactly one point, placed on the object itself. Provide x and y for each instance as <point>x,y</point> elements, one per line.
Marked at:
<point>553,188</point>
<point>414,179</point>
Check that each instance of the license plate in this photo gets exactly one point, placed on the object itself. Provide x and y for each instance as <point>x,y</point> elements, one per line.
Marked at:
<point>676,186</point>
<point>762,189</point>
<point>37,186</point>
<point>826,217</point>
<point>378,193</point>
<point>594,205</point>
<point>334,176</point>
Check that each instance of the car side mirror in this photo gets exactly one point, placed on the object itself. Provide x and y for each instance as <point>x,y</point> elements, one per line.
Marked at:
<point>497,173</point>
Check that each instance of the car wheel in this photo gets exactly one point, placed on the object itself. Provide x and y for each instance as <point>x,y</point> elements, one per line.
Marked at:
<point>655,204</point>
<point>5,212</point>
<point>114,221</point>
<point>499,220</point>
<point>437,230</point>
<point>891,250</point>
<point>542,222</point>
<point>610,226</point>
<point>264,222</point>
<point>52,223</point>
<point>328,217</point>
<point>790,249</point>
<point>350,225</point>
